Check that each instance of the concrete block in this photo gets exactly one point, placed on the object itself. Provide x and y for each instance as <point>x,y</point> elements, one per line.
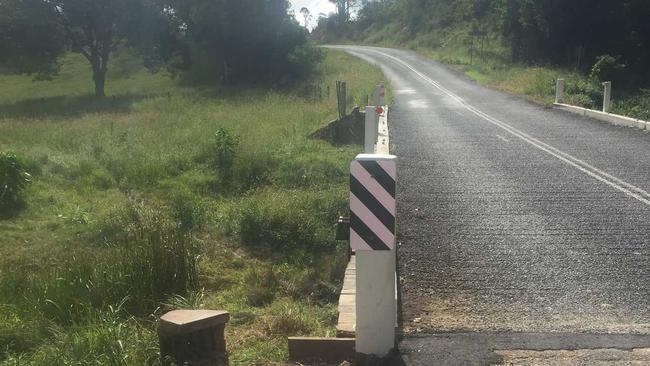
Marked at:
<point>614,119</point>
<point>188,321</point>
<point>193,336</point>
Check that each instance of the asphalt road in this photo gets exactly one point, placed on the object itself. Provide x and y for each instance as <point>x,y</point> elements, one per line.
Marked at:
<point>513,217</point>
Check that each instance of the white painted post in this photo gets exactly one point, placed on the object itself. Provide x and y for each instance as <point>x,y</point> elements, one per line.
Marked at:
<point>559,90</point>
<point>372,129</point>
<point>607,96</point>
<point>376,307</point>
<point>382,95</point>
<point>372,237</point>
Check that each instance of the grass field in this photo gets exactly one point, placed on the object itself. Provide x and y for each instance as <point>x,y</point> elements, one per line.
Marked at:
<point>163,196</point>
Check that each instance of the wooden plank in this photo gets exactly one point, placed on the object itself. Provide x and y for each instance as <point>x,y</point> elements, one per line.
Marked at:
<point>302,349</point>
<point>347,302</point>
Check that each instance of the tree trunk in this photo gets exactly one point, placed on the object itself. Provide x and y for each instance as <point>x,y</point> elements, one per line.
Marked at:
<point>99,76</point>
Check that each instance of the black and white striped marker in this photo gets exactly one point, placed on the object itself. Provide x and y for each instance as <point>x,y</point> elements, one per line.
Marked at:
<point>372,202</point>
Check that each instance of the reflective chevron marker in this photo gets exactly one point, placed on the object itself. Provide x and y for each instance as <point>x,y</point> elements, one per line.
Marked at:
<point>372,202</point>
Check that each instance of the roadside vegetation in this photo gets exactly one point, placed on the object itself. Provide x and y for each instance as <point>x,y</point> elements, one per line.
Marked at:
<point>164,196</point>
<point>519,46</point>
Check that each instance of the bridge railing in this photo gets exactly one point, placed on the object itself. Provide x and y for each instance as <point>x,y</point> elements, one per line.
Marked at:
<point>603,115</point>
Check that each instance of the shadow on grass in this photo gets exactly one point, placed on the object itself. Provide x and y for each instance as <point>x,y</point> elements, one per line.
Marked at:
<point>71,106</point>
<point>7,213</point>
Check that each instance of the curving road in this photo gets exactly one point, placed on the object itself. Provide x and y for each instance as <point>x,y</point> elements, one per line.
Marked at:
<point>513,218</point>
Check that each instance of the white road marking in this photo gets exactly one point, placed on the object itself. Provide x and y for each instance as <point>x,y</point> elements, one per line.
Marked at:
<point>600,175</point>
<point>405,91</point>
<point>503,138</point>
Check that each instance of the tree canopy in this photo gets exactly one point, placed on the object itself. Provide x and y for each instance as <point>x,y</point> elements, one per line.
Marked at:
<point>30,39</point>
<point>216,40</point>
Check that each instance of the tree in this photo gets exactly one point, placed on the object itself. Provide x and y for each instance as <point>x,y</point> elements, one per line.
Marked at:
<point>93,28</point>
<point>343,8</point>
<point>242,40</point>
<point>305,14</point>
<point>29,38</point>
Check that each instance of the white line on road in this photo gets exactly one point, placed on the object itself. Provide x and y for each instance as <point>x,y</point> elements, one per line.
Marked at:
<point>582,166</point>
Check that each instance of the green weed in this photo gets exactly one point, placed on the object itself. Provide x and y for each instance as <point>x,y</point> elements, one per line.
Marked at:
<point>13,181</point>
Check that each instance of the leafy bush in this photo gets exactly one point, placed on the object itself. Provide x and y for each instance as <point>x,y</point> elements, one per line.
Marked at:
<point>637,106</point>
<point>304,59</point>
<point>225,148</point>
<point>584,93</point>
<point>13,181</point>
<point>581,100</point>
<point>607,68</point>
<point>220,154</point>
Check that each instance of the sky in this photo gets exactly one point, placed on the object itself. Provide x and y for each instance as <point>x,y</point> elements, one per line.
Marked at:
<point>315,7</point>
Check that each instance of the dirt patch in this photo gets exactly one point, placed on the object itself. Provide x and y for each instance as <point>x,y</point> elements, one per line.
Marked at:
<point>346,131</point>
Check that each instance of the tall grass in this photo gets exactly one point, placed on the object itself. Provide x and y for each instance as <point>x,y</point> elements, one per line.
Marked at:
<point>166,196</point>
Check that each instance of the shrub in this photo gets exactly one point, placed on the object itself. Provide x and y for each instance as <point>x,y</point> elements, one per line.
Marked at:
<point>607,68</point>
<point>304,59</point>
<point>637,106</point>
<point>584,93</point>
<point>13,181</point>
<point>225,147</point>
<point>581,100</point>
<point>219,155</point>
